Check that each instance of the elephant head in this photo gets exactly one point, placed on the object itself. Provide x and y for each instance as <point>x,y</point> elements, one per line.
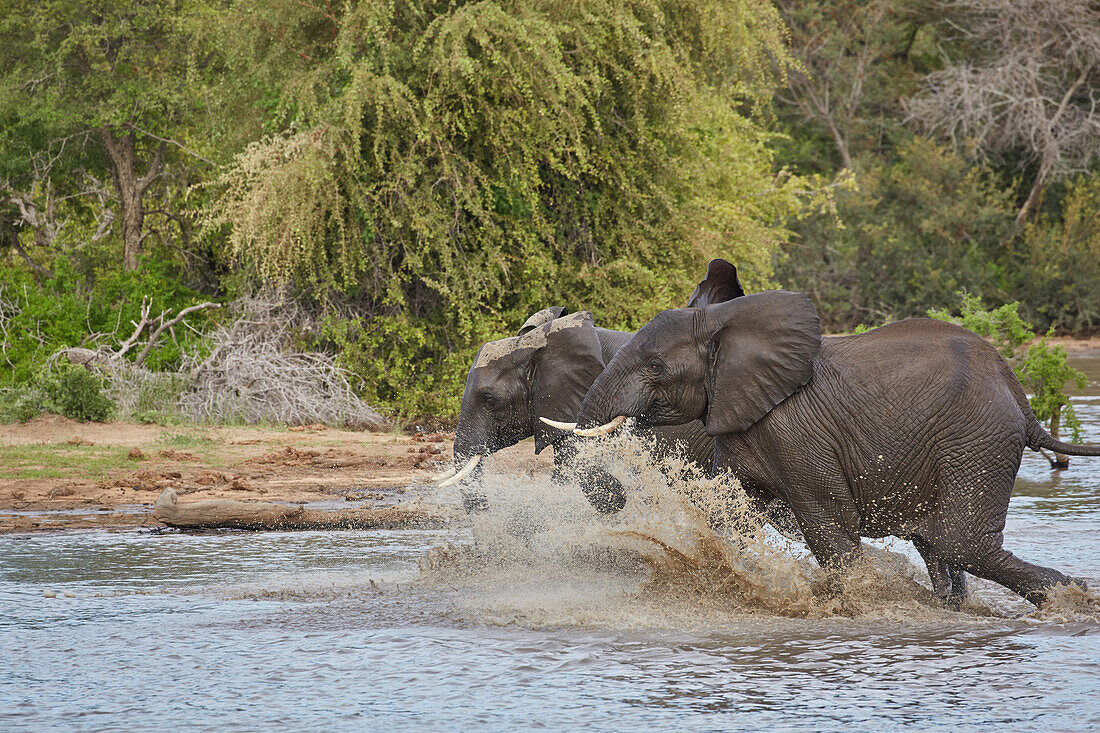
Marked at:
<point>544,371</point>
<point>727,364</point>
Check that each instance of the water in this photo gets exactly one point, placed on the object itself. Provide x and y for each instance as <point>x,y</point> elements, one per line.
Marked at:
<point>551,619</point>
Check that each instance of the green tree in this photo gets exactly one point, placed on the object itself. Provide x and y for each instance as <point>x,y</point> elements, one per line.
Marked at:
<point>97,100</point>
<point>856,60</point>
<point>455,166</point>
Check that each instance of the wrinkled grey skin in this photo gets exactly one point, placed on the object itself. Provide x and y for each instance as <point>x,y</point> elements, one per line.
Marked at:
<point>546,371</point>
<point>505,397</point>
<point>915,429</point>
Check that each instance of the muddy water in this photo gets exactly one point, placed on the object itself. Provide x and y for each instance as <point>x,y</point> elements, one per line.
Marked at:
<point>543,615</point>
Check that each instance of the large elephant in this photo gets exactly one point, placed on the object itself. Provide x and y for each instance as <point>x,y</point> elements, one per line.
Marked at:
<point>915,429</point>
<point>545,371</point>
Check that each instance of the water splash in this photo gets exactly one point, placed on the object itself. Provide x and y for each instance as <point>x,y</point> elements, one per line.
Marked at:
<point>686,550</point>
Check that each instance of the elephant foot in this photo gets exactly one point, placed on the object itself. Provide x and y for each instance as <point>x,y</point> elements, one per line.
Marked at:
<point>956,595</point>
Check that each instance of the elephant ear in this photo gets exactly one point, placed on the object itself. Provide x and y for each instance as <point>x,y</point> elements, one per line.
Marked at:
<point>543,316</point>
<point>718,286</point>
<point>763,350</point>
<point>561,373</point>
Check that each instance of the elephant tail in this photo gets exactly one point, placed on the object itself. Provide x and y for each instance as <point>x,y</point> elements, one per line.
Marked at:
<point>1038,438</point>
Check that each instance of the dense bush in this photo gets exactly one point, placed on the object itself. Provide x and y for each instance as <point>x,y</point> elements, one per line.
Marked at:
<point>77,393</point>
<point>71,309</point>
<point>63,389</point>
<point>915,232</point>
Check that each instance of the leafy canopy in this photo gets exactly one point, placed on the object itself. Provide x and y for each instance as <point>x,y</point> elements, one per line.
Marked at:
<point>451,167</point>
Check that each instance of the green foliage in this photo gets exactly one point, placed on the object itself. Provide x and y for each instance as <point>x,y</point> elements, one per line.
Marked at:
<point>1040,367</point>
<point>64,389</point>
<point>68,309</point>
<point>454,167</point>
<point>918,229</point>
<point>24,404</point>
<point>1043,370</point>
<point>77,393</point>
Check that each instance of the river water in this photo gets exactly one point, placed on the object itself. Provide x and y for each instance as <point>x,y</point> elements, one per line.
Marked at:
<point>541,616</point>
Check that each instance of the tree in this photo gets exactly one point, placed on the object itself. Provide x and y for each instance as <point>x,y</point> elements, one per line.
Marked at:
<point>456,166</point>
<point>95,92</point>
<point>1026,77</point>
<point>853,64</point>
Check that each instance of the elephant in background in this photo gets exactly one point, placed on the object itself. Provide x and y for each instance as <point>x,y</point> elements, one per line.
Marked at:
<point>545,371</point>
<point>915,429</point>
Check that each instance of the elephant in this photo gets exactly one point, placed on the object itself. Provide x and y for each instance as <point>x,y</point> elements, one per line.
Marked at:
<point>545,371</point>
<point>914,429</point>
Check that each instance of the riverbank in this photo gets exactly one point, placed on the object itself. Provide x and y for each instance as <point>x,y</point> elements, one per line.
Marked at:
<point>1078,347</point>
<point>59,474</point>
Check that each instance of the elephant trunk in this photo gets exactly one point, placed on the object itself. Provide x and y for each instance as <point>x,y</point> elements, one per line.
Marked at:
<point>602,490</point>
<point>605,406</point>
<point>471,447</point>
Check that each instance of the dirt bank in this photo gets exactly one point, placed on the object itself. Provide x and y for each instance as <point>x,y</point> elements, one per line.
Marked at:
<point>1087,346</point>
<point>60,474</point>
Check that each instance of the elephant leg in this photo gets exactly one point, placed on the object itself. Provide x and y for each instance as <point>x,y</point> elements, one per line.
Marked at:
<point>948,581</point>
<point>779,514</point>
<point>827,516</point>
<point>937,570</point>
<point>958,587</point>
<point>972,511</point>
<point>990,560</point>
<point>831,545</point>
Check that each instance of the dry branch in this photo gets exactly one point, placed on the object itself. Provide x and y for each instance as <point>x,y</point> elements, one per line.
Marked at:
<point>252,375</point>
<point>1031,82</point>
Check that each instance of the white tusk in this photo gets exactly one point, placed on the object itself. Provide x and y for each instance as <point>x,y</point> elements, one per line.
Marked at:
<point>445,475</point>
<point>602,430</point>
<point>570,426</point>
<point>466,471</point>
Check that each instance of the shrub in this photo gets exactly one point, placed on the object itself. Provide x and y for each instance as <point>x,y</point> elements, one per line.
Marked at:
<point>77,393</point>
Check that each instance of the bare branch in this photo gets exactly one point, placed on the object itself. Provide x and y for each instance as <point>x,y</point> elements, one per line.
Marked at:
<point>146,304</point>
<point>166,325</point>
<point>171,141</point>
<point>1031,84</point>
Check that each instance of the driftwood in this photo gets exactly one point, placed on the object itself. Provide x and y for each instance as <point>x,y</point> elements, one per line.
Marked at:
<point>256,515</point>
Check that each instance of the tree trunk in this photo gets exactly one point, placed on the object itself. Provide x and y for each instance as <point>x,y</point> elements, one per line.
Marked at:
<point>1060,460</point>
<point>1034,194</point>
<point>11,236</point>
<point>131,189</point>
<point>229,514</point>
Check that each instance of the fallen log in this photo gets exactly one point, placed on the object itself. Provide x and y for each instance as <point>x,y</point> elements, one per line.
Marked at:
<point>258,515</point>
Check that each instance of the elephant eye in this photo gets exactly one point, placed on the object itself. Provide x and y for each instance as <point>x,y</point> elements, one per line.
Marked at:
<point>656,367</point>
<point>488,400</point>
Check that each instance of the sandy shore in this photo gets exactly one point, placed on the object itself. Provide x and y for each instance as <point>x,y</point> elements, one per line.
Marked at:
<point>56,473</point>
